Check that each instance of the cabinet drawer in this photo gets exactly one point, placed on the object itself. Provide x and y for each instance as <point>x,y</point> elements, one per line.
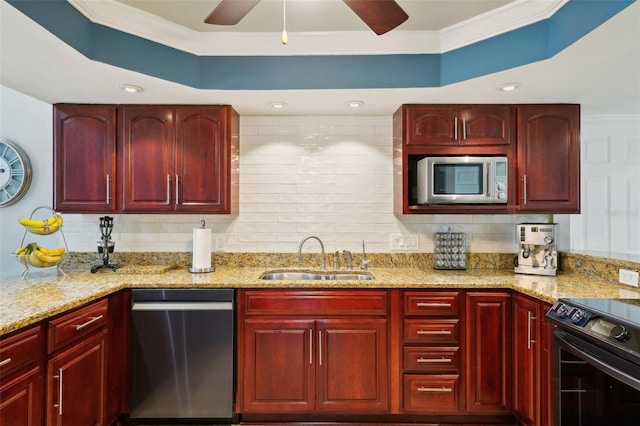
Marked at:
<point>20,350</point>
<point>430,304</point>
<point>425,393</point>
<point>310,302</point>
<point>78,323</point>
<point>432,359</point>
<point>432,331</point>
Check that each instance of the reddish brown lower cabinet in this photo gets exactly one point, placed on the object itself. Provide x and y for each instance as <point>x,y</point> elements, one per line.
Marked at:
<point>532,364</point>
<point>313,352</point>
<point>76,383</point>
<point>488,352</point>
<point>21,378</point>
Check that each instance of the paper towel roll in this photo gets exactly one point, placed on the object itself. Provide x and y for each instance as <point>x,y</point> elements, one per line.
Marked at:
<point>201,248</point>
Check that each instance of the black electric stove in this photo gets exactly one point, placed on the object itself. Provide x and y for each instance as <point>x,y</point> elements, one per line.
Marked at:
<point>613,324</point>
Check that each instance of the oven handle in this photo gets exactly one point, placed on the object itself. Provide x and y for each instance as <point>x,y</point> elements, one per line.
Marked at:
<point>592,354</point>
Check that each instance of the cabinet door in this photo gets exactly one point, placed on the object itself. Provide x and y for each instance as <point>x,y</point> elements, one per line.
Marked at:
<point>202,166</point>
<point>147,158</point>
<point>526,356</point>
<point>546,395</point>
<point>279,365</point>
<point>548,158</point>
<point>352,365</point>
<point>84,163</point>
<point>431,125</point>
<point>485,125</point>
<point>488,349</point>
<point>76,384</point>
<point>21,399</point>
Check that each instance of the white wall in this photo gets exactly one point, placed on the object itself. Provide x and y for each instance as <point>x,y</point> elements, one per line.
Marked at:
<point>326,176</point>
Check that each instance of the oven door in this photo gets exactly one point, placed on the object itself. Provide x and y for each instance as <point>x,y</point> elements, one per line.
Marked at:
<point>592,385</point>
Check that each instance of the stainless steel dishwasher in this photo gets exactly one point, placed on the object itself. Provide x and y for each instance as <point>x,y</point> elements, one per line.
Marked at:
<point>182,355</point>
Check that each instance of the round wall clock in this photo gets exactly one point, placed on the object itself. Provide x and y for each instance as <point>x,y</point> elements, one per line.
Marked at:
<point>15,173</point>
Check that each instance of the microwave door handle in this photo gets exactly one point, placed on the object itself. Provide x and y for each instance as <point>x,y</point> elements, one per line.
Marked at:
<point>489,181</point>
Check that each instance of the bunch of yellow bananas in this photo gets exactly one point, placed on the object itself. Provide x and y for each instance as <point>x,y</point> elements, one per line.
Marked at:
<point>38,256</point>
<point>43,226</point>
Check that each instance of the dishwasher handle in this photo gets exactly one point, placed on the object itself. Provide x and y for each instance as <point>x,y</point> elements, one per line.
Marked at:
<point>182,306</point>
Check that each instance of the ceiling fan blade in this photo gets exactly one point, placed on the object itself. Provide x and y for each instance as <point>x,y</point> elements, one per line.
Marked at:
<point>380,15</point>
<point>230,12</point>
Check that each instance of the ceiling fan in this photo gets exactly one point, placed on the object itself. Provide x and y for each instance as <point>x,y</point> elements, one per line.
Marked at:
<point>380,15</point>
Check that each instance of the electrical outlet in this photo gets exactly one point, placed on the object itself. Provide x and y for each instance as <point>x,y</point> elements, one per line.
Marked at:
<point>404,242</point>
<point>218,242</point>
<point>628,277</point>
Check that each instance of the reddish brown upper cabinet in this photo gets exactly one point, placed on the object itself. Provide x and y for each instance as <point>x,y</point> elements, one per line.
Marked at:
<point>84,162</point>
<point>177,158</point>
<point>532,367</point>
<point>449,130</point>
<point>146,158</point>
<point>548,159</point>
<point>457,124</point>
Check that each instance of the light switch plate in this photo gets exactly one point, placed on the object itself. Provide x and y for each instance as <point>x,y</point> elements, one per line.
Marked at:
<point>404,242</point>
<point>218,242</point>
<point>628,277</point>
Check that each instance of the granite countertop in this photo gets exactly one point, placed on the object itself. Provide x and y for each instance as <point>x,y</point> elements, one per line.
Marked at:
<point>38,297</point>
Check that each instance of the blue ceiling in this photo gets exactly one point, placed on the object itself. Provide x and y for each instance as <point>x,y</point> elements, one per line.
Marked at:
<point>525,45</point>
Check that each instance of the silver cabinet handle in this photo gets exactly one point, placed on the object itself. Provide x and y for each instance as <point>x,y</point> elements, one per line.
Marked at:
<point>108,198</point>
<point>433,332</point>
<point>433,360</point>
<point>464,129</point>
<point>59,404</point>
<point>320,347</point>
<point>455,128</point>
<point>88,323</point>
<point>530,318</point>
<point>168,190</point>
<point>524,189</point>
<point>5,362</point>
<point>177,189</point>
<point>310,346</point>
<point>433,305</point>
<point>426,389</point>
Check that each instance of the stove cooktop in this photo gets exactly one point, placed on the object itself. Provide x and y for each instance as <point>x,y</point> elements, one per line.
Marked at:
<point>612,323</point>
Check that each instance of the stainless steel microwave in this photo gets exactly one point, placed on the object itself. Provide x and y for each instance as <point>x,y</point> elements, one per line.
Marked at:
<point>462,180</point>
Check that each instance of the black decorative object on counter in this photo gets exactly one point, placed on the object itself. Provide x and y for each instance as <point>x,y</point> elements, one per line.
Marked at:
<point>105,245</point>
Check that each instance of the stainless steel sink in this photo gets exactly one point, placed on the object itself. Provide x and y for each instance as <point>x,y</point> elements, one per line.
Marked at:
<point>291,276</point>
<point>355,277</point>
<point>304,276</point>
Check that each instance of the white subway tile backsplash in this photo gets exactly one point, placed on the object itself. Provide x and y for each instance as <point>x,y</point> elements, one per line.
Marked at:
<point>329,176</point>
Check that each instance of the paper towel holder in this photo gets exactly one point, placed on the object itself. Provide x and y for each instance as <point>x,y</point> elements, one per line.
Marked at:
<point>194,270</point>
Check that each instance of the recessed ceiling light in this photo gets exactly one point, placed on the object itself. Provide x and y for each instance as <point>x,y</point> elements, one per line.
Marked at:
<point>508,87</point>
<point>355,104</point>
<point>130,88</point>
<point>277,105</point>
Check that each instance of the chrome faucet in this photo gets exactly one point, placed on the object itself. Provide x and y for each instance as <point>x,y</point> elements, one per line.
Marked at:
<point>321,248</point>
<point>365,261</point>
<point>349,258</point>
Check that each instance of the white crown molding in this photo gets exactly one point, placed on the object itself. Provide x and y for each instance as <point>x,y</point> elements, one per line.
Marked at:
<point>122,17</point>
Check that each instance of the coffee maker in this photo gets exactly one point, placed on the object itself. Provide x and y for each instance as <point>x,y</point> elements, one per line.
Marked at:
<point>537,251</point>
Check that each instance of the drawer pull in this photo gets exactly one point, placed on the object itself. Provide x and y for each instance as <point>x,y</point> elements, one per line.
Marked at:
<point>433,360</point>
<point>433,305</point>
<point>442,389</point>
<point>59,404</point>
<point>433,332</point>
<point>5,362</point>
<point>88,323</point>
